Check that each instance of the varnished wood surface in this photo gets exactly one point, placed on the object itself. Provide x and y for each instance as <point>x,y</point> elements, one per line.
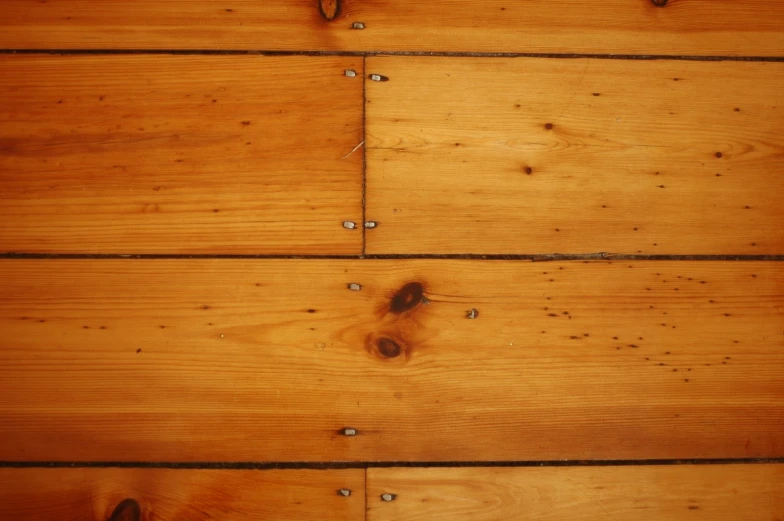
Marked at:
<point>690,27</point>
<point>146,494</point>
<point>647,493</point>
<point>179,154</point>
<point>522,155</point>
<point>267,360</point>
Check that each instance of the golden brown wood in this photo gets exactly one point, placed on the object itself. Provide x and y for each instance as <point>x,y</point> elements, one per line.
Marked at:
<point>145,494</point>
<point>647,493</point>
<point>479,155</point>
<point>267,360</point>
<point>179,154</point>
<point>692,27</point>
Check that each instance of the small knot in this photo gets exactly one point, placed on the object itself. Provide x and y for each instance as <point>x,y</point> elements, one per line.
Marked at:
<point>330,9</point>
<point>126,510</point>
<point>659,3</point>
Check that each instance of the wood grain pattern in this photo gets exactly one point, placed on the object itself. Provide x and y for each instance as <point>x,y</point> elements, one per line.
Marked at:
<point>172,495</point>
<point>696,27</point>
<point>647,493</point>
<point>179,154</point>
<point>267,360</point>
<point>514,155</point>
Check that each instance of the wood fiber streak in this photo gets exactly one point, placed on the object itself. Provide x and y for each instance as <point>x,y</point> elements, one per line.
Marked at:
<point>522,155</point>
<point>690,27</point>
<point>269,360</point>
<point>171,495</point>
<point>179,154</point>
<point>647,493</point>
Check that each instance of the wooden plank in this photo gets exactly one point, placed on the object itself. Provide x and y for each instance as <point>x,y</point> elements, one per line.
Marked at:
<point>268,360</point>
<point>642,493</point>
<point>696,27</point>
<point>179,154</point>
<point>551,155</point>
<point>134,494</point>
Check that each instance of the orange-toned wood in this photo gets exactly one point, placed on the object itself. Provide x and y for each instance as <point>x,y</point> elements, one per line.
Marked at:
<point>525,155</point>
<point>179,154</point>
<point>142,494</point>
<point>267,360</point>
<point>695,27</point>
<point>647,493</point>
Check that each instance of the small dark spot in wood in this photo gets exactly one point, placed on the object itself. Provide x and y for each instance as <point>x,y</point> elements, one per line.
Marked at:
<point>138,350</point>
<point>574,337</point>
<point>162,327</point>
<point>311,310</point>
<point>597,93</point>
<point>675,79</point>
<point>229,10</point>
<point>693,507</point>
<point>737,109</point>
<point>529,170</point>
<point>753,243</point>
<point>216,210</point>
<point>558,229</point>
<point>635,346</point>
<point>718,155</point>
<point>548,126</point>
<point>406,298</point>
<point>718,175</point>
<point>100,98</point>
<point>102,327</point>
<point>727,315</point>
<point>388,348</point>
<point>205,307</point>
<point>662,186</point>
<point>659,3</point>
<point>126,510</point>
<point>615,338</point>
<point>85,327</point>
<point>60,101</point>
<point>245,123</point>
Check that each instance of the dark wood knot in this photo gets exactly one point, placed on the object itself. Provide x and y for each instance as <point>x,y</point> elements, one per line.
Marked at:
<point>407,297</point>
<point>127,510</point>
<point>659,3</point>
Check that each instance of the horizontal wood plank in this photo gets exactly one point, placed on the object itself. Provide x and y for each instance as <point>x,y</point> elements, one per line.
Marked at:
<point>179,154</point>
<point>516,155</point>
<point>268,360</point>
<point>691,27</point>
<point>140,494</point>
<point>642,493</point>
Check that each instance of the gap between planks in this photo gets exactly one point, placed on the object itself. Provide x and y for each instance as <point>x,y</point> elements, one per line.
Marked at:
<point>262,52</point>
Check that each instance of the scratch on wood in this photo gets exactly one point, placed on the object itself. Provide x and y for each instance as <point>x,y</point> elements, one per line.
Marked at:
<point>353,150</point>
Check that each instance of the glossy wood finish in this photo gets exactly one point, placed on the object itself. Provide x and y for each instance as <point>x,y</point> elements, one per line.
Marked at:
<point>268,360</point>
<point>680,27</point>
<point>180,154</point>
<point>512,155</point>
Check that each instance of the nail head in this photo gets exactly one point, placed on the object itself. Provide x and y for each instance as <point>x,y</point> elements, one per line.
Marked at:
<point>472,313</point>
<point>388,497</point>
<point>358,25</point>
<point>354,286</point>
<point>349,225</point>
<point>350,73</point>
<point>348,431</point>
<point>344,492</point>
<point>370,224</point>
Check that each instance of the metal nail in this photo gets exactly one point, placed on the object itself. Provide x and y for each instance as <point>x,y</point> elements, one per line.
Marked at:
<point>354,286</point>
<point>348,431</point>
<point>349,225</point>
<point>472,313</point>
<point>388,497</point>
<point>378,77</point>
<point>358,25</point>
<point>344,492</point>
<point>370,224</point>
<point>350,73</point>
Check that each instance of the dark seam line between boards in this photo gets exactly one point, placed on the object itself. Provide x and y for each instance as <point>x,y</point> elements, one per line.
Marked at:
<point>337,465</point>
<point>392,53</point>
<point>364,154</point>
<point>602,256</point>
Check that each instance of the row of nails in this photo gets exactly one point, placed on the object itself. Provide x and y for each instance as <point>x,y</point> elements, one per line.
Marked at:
<point>350,225</point>
<point>384,497</point>
<point>351,73</point>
